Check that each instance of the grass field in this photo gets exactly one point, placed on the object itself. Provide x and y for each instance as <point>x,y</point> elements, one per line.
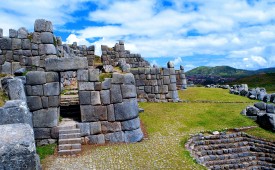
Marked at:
<point>169,126</point>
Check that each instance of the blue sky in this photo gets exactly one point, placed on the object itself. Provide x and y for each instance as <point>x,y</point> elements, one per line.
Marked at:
<point>238,33</point>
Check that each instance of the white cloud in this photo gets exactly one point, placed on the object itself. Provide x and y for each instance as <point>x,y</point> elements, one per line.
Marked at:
<point>80,41</point>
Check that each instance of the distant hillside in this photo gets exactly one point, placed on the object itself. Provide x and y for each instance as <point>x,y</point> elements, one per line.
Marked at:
<point>266,80</point>
<point>222,71</point>
<point>266,70</point>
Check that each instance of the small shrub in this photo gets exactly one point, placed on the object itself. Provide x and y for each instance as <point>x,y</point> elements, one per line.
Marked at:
<point>102,76</point>
<point>44,151</point>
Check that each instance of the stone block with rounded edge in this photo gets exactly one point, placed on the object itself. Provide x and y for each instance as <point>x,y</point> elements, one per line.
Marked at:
<point>129,79</point>
<point>22,33</point>
<point>34,103</point>
<point>109,127</point>
<point>16,43</point>
<point>52,77</point>
<point>128,91</point>
<point>84,97</point>
<point>84,128</point>
<point>54,101</point>
<point>5,43</point>
<point>46,38</point>
<point>15,111</point>
<point>126,110</point>
<point>115,137</point>
<point>42,133</point>
<point>66,64</point>
<point>86,86</point>
<point>26,44</point>
<point>117,78</point>
<point>18,149</point>
<point>51,89</point>
<point>93,74</point>
<point>45,117</point>
<point>252,111</point>
<point>96,139</point>
<point>91,113</point>
<point>95,128</point>
<point>130,124</point>
<point>95,98</point>
<point>82,75</point>
<point>106,84</point>
<point>36,77</point>
<point>36,90</point>
<point>42,25</point>
<point>270,108</point>
<point>16,90</point>
<point>6,68</point>
<point>260,105</point>
<point>133,136</point>
<point>266,121</point>
<point>105,97</point>
<point>116,96</point>
<point>110,113</point>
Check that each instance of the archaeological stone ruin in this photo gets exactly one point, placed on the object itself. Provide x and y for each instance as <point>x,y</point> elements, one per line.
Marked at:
<point>47,81</point>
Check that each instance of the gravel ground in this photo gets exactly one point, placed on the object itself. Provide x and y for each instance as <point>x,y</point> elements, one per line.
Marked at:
<point>157,152</point>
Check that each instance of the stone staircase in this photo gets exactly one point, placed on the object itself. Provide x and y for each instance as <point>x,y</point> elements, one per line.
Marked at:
<point>70,97</point>
<point>69,142</point>
<point>232,151</point>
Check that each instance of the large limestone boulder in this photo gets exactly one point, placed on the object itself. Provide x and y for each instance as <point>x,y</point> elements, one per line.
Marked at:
<point>266,121</point>
<point>17,147</point>
<point>64,64</point>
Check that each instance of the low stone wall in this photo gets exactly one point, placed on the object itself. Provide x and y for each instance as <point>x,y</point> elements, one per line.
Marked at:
<point>109,109</point>
<point>232,151</point>
<point>263,114</point>
<point>112,56</point>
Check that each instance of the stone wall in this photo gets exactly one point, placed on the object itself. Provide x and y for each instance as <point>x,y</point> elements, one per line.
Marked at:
<point>43,98</point>
<point>181,79</point>
<point>157,84</point>
<point>112,56</point>
<point>109,109</point>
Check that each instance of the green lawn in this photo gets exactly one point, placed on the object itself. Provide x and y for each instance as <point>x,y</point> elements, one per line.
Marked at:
<point>169,126</point>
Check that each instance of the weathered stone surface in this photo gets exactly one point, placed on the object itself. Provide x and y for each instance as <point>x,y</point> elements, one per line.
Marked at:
<point>84,128</point>
<point>45,102</point>
<point>105,97</point>
<point>55,132</point>
<point>126,110</point>
<point>116,96</point>
<point>54,101</point>
<point>93,74</point>
<point>45,117</point>
<point>1,32</point>
<point>65,64</point>
<point>266,121</point>
<point>91,113</point>
<point>6,68</point>
<point>128,91</point>
<point>86,85</point>
<point>95,98</point>
<point>133,136</point>
<point>46,38</point>
<point>106,84</point>
<point>108,127</point>
<point>96,139</point>
<point>130,124</point>
<point>260,105</point>
<point>16,43</point>
<point>111,113</point>
<point>115,137</point>
<point>84,97</point>
<point>20,72</point>
<point>98,86</point>
<point>34,103</point>
<point>82,75</point>
<point>270,108</point>
<point>36,77</point>
<point>36,90</point>
<point>129,79</point>
<point>22,32</point>
<point>42,133</point>
<point>15,111</point>
<point>252,111</point>
<point>41,25</point>
<point>117,78</point>
<point>5,43</point>
<point>170,64</point>
<point>272,98</point>
<point>13,33</point>
<point>51,89</point>
<point>18,151</point>
<point>16,90</point>
<point>95,128</point>
<point>52,77</point>
<point>26,44</point>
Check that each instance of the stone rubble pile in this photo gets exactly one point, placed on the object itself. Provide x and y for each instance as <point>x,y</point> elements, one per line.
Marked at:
<point>262,113</point>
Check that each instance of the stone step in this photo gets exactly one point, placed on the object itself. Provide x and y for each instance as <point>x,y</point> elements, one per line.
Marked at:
<point>69,135</point>
<point>244,166</point>
<point>69,146</point>
<point>68,131</point>
<point>69,152</point>
<point>231,161</point>
<point>226,156</point>
<point>224,151</point>
<point>69,141</point>
<point>221,146</point>
<point>218,141</point>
